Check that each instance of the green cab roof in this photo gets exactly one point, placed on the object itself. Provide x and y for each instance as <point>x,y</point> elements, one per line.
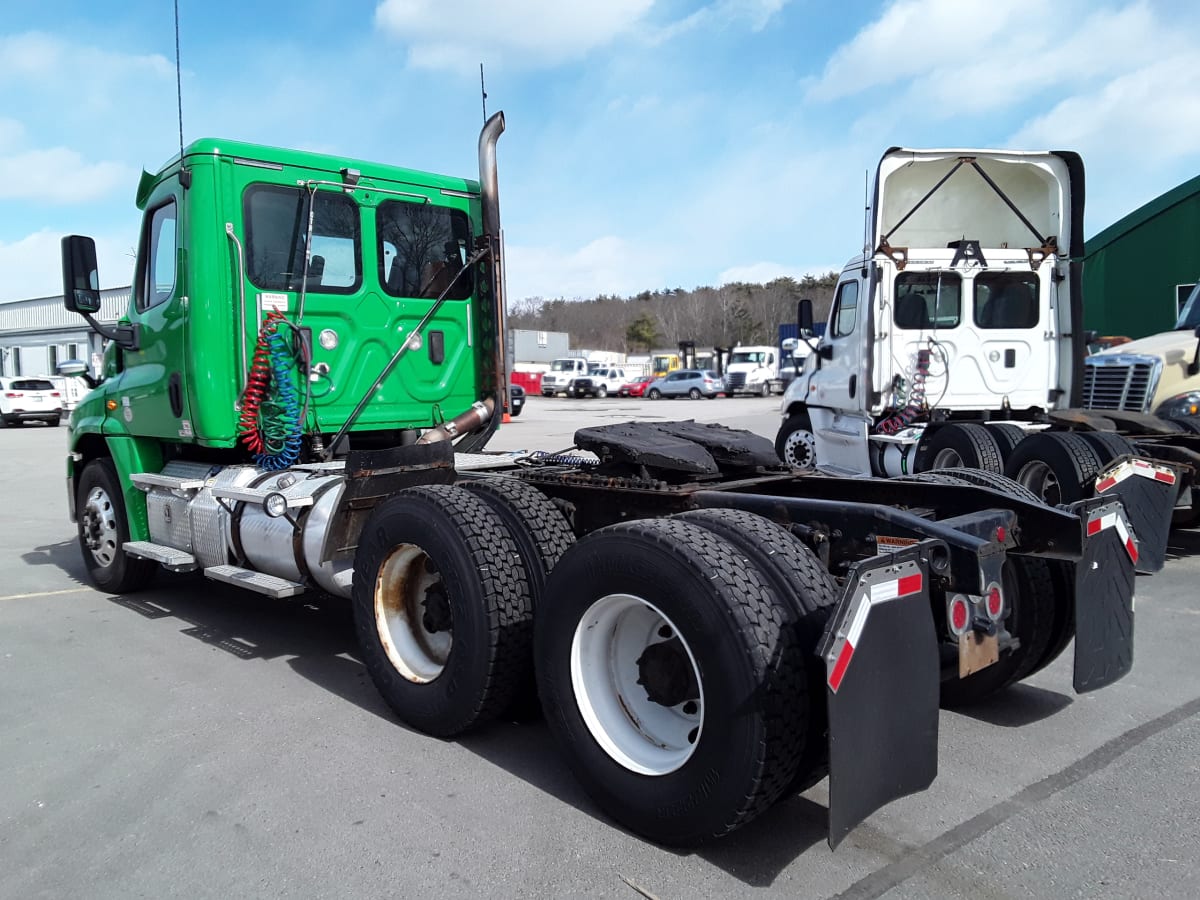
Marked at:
<point>325,163</point>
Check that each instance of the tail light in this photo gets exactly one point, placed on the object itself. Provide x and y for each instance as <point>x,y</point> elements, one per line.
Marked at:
<point>958,615</point>
<point>55,394</point>
<point>14,395</point>
<point>993,602</point>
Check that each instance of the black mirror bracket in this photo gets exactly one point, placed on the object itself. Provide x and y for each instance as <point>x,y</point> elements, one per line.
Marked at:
<point>126,335</point>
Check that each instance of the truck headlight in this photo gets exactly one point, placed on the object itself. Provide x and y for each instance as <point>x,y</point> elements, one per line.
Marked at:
<point>1181,406</point>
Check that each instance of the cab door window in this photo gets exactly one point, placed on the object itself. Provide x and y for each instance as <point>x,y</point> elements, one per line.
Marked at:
<point>156,281</point>
<point>276,227</point>
<point>846,309</point>
<point>1006,300</point>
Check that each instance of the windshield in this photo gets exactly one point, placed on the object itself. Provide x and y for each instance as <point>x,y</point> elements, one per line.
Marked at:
<point>1189,316</point>
<point>748,356</point>
<point>562,365</point>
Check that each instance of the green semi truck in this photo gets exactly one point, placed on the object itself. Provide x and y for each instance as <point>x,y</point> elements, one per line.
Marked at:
<point>299,398</point>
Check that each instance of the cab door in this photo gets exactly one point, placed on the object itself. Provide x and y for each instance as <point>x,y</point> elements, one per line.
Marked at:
<point>153,395</point>
<point>840,383</point>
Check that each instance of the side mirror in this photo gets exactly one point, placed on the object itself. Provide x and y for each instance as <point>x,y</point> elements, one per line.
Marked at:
<point>804,316</point>
<point>81,278</point>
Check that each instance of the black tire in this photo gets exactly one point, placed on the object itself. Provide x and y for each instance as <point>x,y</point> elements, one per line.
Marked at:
<point>456,542</point>
<point>960,444</point>
<point>103,528</point>
<point>765,390</point>
<point>810,592</point>
<point>54,423</point>
<point>941,476</point>
<point>601,392</point>
<point>1057,466</point>
<point>747,671</point>
<point>1007,437</point>
<point>1062,624</point>
<point>654,394</point>
<point>695,394</point>
<point>542,536</point>
<point>991,480</point>
<point>795,444</point>
<point>1028,591</point>
<point>1191,424</point>
<point>1108,445</point>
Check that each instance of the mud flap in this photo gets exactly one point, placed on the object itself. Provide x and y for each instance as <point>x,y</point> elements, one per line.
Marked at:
<point>882,680</point>
<point>1104,583</point>
<point>1148,493</point>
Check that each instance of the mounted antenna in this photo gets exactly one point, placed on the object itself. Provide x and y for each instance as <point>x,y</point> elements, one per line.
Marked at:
<point>483,92</point>
<point>185,175</point>
<point>866,215</point>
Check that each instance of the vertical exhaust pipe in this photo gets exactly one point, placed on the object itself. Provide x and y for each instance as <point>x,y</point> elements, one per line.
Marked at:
<point>493,265</point>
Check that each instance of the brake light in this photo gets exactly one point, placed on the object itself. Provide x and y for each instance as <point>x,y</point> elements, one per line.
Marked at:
<point>958,616</point>
<point>55,394</point>
<point>13,395</point>
<point>994,602</point>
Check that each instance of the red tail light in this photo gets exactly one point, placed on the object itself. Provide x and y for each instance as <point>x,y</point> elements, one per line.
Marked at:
<point>13,395</point>
<point>958,616</point>
<point>993,601</point>
<point>55,394</point>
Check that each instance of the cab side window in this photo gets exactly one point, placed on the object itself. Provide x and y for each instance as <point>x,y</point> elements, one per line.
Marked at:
<point>846,309</point>
<point>156,281</point>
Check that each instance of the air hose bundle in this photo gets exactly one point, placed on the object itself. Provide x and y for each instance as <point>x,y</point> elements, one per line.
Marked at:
<point>270,422</point>
<point>916,398</point>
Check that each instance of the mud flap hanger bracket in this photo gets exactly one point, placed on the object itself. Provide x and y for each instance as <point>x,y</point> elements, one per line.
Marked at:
<point>882,686</point>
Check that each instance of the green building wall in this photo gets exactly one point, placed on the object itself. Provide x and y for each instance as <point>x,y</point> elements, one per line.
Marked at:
<point>1134,268</point>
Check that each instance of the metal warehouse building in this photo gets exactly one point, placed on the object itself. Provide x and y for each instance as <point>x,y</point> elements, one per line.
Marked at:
<point>36,335</point>
<point>1139,270</point>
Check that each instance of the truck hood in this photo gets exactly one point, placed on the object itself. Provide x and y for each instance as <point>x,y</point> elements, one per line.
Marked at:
<point>931,198</point>
<point>1174,347</point>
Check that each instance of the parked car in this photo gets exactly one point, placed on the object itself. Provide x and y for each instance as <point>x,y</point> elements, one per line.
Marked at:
<point>516,399</point>
<point>599,383</point>
<point>30,400</point>
<point>636,387</point>
<point>694,383</point>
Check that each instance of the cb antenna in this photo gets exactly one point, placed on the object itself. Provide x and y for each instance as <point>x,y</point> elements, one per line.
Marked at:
<point>866,209</point>
<point>483,92</point>
<point>184,175</point>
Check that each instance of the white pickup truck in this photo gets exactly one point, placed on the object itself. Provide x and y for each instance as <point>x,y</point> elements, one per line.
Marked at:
<point>598,383</point>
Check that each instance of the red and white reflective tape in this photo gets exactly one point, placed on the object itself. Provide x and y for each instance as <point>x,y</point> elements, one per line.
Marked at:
<point>838,660</point>
<point>1138,467</point>
<point>1116,520</point>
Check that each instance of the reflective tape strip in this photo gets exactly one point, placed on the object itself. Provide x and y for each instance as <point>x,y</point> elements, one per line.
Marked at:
<point>877,593</point>
<point>1113,520</point>
<point>1139,467</point>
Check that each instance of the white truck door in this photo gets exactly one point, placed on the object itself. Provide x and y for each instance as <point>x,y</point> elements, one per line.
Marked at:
<point>839,382</point>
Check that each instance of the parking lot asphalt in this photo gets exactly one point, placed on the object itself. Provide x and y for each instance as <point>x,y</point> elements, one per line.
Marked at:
<point>194,740</point>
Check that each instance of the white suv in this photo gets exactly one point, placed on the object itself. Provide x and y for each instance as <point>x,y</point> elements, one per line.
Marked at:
<point>29,399</point>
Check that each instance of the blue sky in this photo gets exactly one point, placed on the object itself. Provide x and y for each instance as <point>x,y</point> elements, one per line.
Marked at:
<point>650,143</point>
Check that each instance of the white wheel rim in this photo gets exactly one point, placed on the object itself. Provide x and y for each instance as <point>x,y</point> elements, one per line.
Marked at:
<point>1040,478</point>
<point>800,449</point>
<point>405,585</point>
<point>99,521</point>
<point>639,734</point>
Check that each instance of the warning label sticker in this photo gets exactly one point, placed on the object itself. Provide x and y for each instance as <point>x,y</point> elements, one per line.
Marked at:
<point>886,543</point>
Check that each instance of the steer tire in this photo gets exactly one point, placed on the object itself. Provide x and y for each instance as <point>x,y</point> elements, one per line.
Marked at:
<point>960,444</point>
<point>654,394</point>
<point>1108,445</point>
<point>795,443</point>
<point>798,578</point>
<point>601,392</point>
<point>1058,466</point>
<point>452,542</point>
<point>1028,591</point>
<point>542,536</point>
<point>746,666</point>
<point>103,528</point>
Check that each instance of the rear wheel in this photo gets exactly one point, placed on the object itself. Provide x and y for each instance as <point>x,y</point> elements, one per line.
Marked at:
<point>1108,445</point>
<point>1057,466</point>
<point>441,607</point>
<point>54,423</point>
<point>1007,437</point>
<point>795,443</point>
<point>668,678</point>
<point>103,527</point>
<point>960,445</point>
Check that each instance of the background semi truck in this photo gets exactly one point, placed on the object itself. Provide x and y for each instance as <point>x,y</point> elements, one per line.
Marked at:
<point>298,400</point>
<point>955,338</point>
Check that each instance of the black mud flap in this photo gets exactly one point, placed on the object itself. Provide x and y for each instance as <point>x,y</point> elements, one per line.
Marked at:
<point>881,664</point>
<point>1104,582</point>
<point>1148,492</point>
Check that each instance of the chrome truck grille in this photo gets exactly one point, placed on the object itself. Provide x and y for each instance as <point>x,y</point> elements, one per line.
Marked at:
<point>1120,381</point>
<point>735,380</point>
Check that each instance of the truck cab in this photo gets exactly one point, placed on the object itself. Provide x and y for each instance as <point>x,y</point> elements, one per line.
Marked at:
<point>965,303</point>
<point>562,372</point>
<point>752,370</point>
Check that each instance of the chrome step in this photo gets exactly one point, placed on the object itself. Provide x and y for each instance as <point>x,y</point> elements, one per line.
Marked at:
<point>175,560</point>
<point>255,581</point>
<point>146,480</point>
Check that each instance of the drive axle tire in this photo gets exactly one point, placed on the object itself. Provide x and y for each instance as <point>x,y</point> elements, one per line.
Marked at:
<point>442,609</point>
<point>1007,437</point>
<point>1108,445</point>
<point>103,528</point>
<point>669,679</point>
<point>795,443</point>
<point>960,445</point>
<point>1001,483</point>
<point>1057,466</point>
<point>1029,593</point>
<point>798,578</point>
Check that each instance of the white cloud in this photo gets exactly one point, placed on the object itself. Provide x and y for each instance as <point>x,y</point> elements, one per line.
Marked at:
<point>606,265</point>
<point>525,33</point>
<point>764,271</point>
<point>59,175</point>
<point>725,14</point>
<point>32,265</point>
